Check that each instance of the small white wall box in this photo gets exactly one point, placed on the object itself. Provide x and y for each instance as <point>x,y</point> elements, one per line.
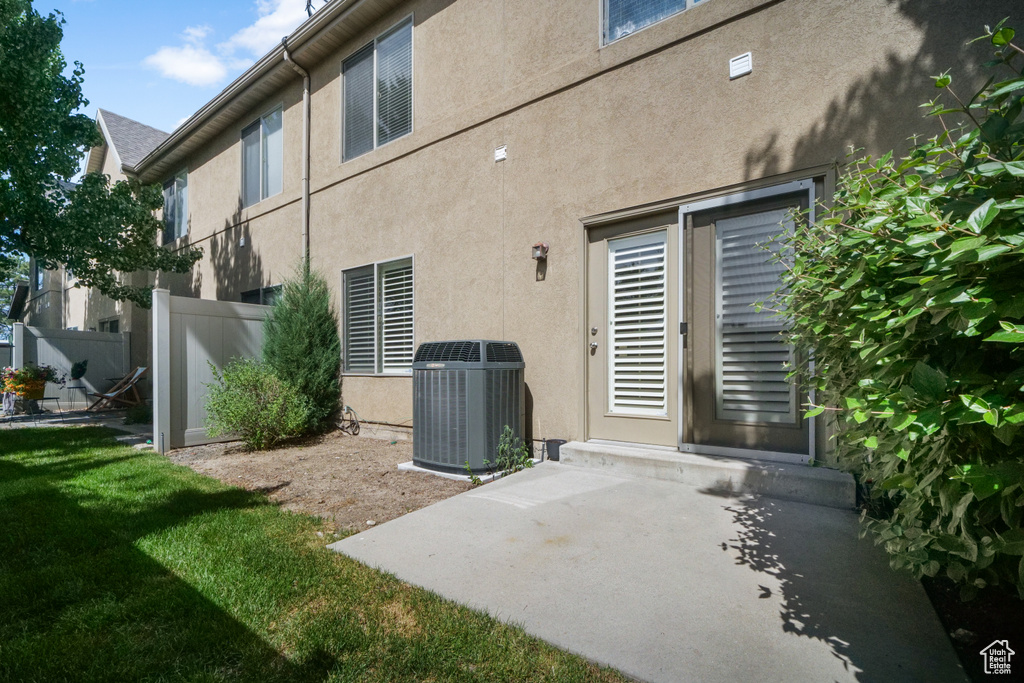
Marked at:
<point>741,66</point>
<point>241,241</point>
<point>540,251</point>
<point>501,153</point>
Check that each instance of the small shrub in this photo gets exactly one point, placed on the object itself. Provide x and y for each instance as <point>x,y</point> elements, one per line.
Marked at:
<point>910,291</point>
<point>513,453</point>
<point>302,346</point>
<point>141,414</point>
<point>249,400</point>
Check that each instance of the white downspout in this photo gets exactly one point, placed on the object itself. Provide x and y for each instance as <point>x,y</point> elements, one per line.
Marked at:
<point>305,151</point>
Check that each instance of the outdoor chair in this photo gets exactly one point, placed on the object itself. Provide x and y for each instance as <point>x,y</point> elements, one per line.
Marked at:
<point>122,395</point>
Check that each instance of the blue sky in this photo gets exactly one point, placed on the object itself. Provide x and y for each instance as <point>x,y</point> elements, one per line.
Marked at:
<point>158,62</point>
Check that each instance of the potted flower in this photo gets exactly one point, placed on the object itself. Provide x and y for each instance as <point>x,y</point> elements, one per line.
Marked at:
<point>30,381</point>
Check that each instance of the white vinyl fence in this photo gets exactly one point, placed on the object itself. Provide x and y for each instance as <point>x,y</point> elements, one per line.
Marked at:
<point>109,356</point>
<point>189,335</point>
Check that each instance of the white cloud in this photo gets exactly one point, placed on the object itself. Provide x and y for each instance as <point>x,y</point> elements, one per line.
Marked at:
<point>190,64</point>
<point>277,18</point>
<point>193,63</point>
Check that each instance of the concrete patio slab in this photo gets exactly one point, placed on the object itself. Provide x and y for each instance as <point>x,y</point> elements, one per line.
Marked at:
<point>668,582</point>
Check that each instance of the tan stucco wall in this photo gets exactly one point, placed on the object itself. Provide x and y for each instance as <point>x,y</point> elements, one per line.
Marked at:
<point>589,130</point>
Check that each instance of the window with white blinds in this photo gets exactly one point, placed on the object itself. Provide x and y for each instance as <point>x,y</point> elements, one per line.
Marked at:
<point>377,92</point>
<point>378,318</point>
<point>623,17</point>
<point>357,86</point>
<point>637,319</point>
<point>751,357</point>
<point>262,158</point>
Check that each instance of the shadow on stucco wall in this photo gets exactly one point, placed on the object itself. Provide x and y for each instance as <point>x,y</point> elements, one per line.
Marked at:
<point>881,110</point>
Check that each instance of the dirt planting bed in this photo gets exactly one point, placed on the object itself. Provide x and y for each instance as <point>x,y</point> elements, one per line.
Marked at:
<point>352,482</point>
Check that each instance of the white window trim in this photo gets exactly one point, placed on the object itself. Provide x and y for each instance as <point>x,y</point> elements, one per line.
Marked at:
<point>604,13</point>
<point>241,156</point>
<point>410,18</point>
<point>411,258</point>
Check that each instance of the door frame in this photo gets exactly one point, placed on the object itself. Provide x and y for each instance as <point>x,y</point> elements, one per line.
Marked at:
<point>685,210</point>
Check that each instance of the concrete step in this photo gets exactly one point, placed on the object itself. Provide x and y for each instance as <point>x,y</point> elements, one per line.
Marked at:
<point>717,474</point>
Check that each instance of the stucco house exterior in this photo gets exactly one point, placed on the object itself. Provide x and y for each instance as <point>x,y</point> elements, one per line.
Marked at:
<point>417,150</point>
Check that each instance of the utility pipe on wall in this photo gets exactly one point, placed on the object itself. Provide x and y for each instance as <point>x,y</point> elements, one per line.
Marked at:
<point>305,151</point>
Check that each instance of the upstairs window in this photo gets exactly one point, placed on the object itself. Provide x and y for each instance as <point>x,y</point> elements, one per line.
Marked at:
<point>377,92</point>
<point>623,17</point>
<point>262,158</point>
<point>379,318</point>
<point>176,207</point>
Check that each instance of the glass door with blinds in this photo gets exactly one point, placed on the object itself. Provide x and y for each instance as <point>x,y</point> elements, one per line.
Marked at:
<point>736,398</point>
<point>631,339</point>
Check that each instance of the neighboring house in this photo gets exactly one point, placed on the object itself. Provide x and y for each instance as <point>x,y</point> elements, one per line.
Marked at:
<point>55,301</point>
<point>651,146</point>
<point>43,302</point>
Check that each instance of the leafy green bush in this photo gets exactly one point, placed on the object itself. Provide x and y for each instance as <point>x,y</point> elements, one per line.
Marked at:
<point>911,293</point>
<point>249,400</point>
<point>513,453</point>
<point>301,344</point>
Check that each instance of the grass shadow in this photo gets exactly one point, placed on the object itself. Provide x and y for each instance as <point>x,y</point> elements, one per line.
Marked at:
<point>84,601</point>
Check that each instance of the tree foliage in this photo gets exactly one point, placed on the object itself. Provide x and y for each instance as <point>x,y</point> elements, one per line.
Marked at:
<point>301,344</point>
<point>98,230</point>
<point>910,291</point>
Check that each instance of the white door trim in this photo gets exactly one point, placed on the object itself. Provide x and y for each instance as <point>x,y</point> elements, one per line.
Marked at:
<point>714,203</point>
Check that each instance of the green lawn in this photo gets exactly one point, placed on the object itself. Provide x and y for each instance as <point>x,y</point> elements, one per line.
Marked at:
<point>117,565</point>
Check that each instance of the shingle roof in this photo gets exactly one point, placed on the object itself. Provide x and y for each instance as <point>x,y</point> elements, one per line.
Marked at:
<point>131,139</point>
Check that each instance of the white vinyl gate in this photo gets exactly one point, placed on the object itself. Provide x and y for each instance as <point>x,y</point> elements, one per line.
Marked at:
<point>188,335</point>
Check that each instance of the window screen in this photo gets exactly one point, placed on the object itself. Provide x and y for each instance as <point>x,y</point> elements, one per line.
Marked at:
<point>752,359</point>
<point>265,296</point>
<point>251,164</point>
<point>394,84</point>
<point>272,153</point>
<point>176,208</point>
<point>357,79</point>
<point>623,17</point>
<point>170,211</point>
<point>377,92</point>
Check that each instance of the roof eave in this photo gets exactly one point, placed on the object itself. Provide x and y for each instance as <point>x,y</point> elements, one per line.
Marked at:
<point>302,35</point>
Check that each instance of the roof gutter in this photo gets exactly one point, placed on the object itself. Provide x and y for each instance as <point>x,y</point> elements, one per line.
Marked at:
<point>306,32</point>
<point>305,150</point>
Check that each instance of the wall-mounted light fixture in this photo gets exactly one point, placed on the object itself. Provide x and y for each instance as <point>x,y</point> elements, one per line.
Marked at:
<point>540,251</point>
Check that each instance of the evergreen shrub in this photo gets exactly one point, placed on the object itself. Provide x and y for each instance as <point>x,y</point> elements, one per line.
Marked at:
<point>302,346</point>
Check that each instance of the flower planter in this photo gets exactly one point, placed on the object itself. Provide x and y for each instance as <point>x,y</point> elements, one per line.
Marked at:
<point>33,391</point>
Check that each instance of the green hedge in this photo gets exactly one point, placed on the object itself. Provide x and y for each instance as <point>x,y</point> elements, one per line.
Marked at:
<point>910,290</point>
